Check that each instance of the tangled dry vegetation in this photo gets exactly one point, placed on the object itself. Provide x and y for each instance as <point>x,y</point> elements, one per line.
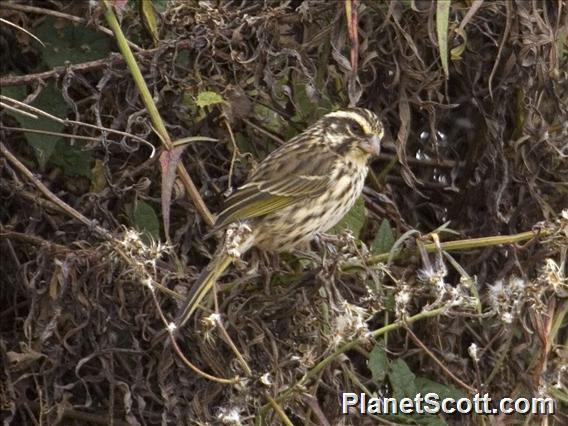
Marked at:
<point>481,153</point>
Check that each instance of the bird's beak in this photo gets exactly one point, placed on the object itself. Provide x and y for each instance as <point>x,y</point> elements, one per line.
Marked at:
<point>372,145</point>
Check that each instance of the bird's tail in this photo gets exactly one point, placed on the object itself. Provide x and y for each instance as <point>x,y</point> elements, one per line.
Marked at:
<point>203,285</point>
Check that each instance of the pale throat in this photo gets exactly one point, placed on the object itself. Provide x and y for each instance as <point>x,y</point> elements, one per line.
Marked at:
<point>358,158</point>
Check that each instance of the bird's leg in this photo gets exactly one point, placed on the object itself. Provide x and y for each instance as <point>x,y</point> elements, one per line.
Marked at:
<point>308,254</point>
<point>345,236</point>
<point>272,259</point>
<point>327,242</point>
<point>347,241</point>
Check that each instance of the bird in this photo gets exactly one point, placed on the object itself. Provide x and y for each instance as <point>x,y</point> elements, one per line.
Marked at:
<point>301,189</point>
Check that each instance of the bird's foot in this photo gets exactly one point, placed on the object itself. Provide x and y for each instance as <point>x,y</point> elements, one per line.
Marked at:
<point>328,242</point>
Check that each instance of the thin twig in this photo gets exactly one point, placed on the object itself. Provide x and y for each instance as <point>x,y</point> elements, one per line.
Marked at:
<point>4,21</point>
<point>104,63</point>
<point>56,14</point>
<point>198,370</point>
<point>234,348</point>
<point>177,349</point>
<point>440,363</point>
<point>504,39</point>
<point>31,239</point>
<point>234,154</point>
<point>67,122</point>
<point>66,208</point>
<point>265,132</point>
<point>17,111</point>
<point>51,196</point>
<point>280,412</point>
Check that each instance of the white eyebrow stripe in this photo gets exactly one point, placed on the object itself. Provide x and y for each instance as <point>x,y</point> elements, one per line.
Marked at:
<point>353,116</point>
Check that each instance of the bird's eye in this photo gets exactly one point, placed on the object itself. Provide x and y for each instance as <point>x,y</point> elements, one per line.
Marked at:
<point>356,129</point>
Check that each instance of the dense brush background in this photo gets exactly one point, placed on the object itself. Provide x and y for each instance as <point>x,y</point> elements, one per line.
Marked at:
<point>475,102</point>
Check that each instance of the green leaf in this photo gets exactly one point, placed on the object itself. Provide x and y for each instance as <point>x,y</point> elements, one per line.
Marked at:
<point>50,101</point>
<point>98,180</point>
<point>457,52</point>
<point>384,240</point>
<point>390,302</point>
<point>148,14</point>
<point>428,420</point>
<point>73,159</point>
<point>67,42</point>
<point>405,384</point>
<point>442,19</point>
<point>14,92</point>
<point>243,143</point>
<point>146,221</point>
<point>183,60</point>
<point>306,110</point>
<point>161,5</point>
<point>443,391</point>
<point>402,380</point>
<point>305,107</point>
<point>270,119</point>
<point>378,363</point>
<point>353,220</point>
<point>209,98</point>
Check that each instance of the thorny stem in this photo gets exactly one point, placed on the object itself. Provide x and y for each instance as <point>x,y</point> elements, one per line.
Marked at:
<point>153,110</point>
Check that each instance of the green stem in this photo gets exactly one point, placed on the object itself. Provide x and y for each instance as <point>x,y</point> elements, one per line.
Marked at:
<point>157,121</point>
<point>459,245</point>
<point>136,73</point>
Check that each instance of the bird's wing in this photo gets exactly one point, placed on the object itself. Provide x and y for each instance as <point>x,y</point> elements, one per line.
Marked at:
<point>261,198</point>
<point>278,184</point>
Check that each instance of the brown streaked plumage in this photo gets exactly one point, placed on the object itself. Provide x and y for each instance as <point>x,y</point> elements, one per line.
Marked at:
<point>304,187</point>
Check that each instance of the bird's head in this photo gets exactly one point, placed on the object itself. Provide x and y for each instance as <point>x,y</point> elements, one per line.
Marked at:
<point>354,133</point>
